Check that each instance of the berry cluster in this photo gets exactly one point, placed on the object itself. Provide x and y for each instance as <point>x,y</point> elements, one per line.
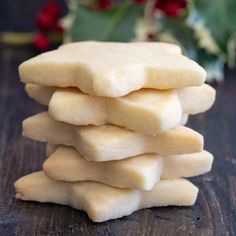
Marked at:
<point>103,5</point>
<point>170,8</point>
<point>47,21</point>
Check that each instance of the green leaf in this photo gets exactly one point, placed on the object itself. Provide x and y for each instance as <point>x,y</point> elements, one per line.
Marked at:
<point>182,34</point>
<point>117,24</point>
<point>213,64</point>
<point>219,17</point>
<point>203,35</point>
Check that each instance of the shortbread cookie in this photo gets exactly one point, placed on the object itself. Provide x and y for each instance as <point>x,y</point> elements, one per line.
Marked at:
<point>109,142</point>
<point>153,46</point>
<point>147,111</point>
<point>197,99</point>
<point>159,109</point>
<point>193,99</point>
<point>43,94</point>
<point>103,202</point>
<point>139,172</point>
<point>112,69</point>
<point>39,93</point>
<point>184,119</point>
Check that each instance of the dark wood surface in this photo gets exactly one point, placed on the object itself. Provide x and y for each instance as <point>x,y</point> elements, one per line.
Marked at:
<point>213,214</point>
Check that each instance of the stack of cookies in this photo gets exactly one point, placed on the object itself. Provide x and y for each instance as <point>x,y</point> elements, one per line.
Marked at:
<point>116,140</point>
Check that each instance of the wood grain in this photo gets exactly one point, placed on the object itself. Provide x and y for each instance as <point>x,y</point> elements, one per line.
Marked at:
<point>213,214</point>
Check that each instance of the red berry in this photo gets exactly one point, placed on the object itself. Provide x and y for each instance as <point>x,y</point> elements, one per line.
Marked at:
<point>42,43</point>
<point>103,5</point>
<point>45,22</point>
<point>52,9</point>
<point>171,8</point>
<point>106,4</point>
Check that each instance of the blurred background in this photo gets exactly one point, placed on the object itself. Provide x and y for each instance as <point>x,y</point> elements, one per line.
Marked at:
<point>204,29</point>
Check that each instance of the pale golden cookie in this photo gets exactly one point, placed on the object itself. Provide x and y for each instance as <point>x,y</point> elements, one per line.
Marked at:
<point>139,172</point>
<point>109,142</point>
<point>103,202</point>
<point>112,69</point>
<point>154,46</point>
<point>147,111</point>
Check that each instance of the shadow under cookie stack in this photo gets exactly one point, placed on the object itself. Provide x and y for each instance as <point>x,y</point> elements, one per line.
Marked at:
<point>116,140</point>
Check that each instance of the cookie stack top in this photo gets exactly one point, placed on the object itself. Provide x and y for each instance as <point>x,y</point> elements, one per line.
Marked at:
<point>113,69</point>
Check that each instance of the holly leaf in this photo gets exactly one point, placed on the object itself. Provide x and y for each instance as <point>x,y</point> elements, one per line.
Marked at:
<point>213,64</point>
<point>180,32</point>
<point>219,18</point>
<point>117,24</point>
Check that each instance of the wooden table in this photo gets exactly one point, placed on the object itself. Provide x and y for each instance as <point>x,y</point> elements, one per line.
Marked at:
<point>213,214</point>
